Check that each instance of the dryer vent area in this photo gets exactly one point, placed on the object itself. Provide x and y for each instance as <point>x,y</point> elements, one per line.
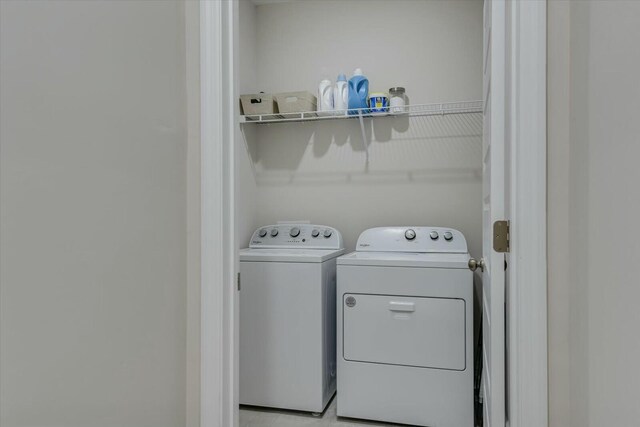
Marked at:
<point>359,161</point>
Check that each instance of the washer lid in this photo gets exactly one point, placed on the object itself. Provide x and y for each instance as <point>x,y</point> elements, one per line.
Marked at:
<point>288,255</point>
<point>412,239</point>
<point>406,259</point>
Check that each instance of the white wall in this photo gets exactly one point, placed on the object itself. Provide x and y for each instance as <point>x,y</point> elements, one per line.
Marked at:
<point>594,207</point>
<point>423,171</point>
<point>93,214</point>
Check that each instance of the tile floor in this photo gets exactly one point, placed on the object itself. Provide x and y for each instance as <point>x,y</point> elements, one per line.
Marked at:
<point>251,416</point>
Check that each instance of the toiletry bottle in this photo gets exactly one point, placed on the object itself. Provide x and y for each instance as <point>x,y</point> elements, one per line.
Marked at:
<point>325,98</point>
<point>341,95</point>
<point>358,92</point>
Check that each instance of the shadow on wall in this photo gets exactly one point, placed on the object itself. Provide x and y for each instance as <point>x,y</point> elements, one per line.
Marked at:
<point>402,149</point>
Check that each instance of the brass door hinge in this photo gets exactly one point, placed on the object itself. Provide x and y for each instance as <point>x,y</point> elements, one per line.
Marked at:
<point>501,236</point>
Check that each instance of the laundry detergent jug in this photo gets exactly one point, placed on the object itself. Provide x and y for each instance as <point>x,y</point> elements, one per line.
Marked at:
<point>325,98</point>
<point>341,95</point>
<point>358,92</point>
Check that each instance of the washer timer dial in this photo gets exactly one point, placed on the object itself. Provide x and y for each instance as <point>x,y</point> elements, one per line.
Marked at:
<point>410,234</point>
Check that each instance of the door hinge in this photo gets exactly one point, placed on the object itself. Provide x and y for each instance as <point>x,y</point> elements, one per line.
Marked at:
<point>501,236</point>
<point>238,281</point>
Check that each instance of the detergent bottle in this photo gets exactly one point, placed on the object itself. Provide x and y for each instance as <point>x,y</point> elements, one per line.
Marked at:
<point>358,91</point>
<point>325,98</point>
<point>341,95</point>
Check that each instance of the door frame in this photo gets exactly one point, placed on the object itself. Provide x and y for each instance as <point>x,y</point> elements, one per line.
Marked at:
<point>526,338</point>
<point>218,296</point>
<point>527,302</point>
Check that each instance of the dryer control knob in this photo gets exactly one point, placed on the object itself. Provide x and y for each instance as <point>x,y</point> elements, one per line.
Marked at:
<point>262,233</point>
<point>434,235</point>
<point>327,233</point>
<point>315,233</point>
<point>410,234</point>
<point>448,236</point>
<point>274,232</point>
<point>295,232</point>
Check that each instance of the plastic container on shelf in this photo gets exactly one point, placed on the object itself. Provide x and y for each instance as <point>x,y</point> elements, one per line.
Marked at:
<point>358,92</point>
<point>379,103</point>
<point>325,98</point>
<point>258,104</point>
<point>341,95</point>
<point>295,102</point>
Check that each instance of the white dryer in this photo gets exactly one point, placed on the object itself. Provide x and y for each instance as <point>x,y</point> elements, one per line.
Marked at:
<point>405,328</point>
<point>287,342</point>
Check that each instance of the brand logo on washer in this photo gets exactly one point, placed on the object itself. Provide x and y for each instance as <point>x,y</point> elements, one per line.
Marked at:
<point>350,301</point>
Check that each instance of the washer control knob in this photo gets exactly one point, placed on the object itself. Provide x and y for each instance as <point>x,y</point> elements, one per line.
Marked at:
<point>327,233</point>
<point>434,235</point>
<point>448,236</point>
<point>274,232</point>
<point>410,234</point>
<point>315,233</point>
<point>262,233</point>
<point>295,232</point>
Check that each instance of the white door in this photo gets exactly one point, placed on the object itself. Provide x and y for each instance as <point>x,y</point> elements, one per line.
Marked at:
<point>493,309</point>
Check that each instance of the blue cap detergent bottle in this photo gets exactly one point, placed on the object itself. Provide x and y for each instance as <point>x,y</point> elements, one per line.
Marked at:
<point>358,92</point>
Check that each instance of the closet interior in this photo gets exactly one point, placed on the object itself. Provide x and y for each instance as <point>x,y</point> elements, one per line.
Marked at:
<point>421,167</point>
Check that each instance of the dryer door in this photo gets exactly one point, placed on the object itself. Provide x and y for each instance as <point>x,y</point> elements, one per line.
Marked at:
<point>410,331</point>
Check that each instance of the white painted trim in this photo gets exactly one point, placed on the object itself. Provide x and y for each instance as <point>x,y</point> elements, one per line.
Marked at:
<point>528,309</point>
<point>212,259</point>
<point>218,400</point>
<point>527,299</point>
<point>231,133</point>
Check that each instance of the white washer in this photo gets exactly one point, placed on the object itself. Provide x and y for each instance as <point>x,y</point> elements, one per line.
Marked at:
<point>405,328</point>
<point>288,317</point>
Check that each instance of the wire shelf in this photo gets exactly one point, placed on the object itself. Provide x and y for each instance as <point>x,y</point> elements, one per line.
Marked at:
<point>464,107</point>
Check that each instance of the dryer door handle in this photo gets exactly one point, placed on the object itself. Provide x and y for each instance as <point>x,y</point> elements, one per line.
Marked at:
<point>401,306</point>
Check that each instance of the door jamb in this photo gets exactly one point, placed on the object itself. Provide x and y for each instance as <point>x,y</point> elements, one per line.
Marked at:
<point>527,301</point>
<point>218,299</point>
<point>527,271</point>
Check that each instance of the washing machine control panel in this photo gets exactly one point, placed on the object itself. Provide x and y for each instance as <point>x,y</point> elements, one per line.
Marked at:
<point>412,239</point>
<point>303,236</point>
